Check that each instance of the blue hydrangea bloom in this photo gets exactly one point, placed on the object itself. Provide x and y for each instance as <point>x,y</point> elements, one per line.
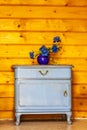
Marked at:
<point>54,48</point>
<point>44,51</point>
<point>56,39</point>
<point>32,55</point>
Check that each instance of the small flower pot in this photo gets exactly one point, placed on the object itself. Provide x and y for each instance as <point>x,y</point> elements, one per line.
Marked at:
<point>43,60</point>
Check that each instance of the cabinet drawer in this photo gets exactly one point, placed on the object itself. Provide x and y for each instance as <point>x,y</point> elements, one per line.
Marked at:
<point>43,73</point>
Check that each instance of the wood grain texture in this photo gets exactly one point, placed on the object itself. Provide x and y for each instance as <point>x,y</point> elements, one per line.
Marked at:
<point>43,12</point>
<point>79,114</point>
<point>23,51</point>
<point>79,104</point>
<point>34,2</point>
<point>17,25</point>
<point>79,91</point>
<point>27,24</point>
<point>6,78</point>
<point>79,64</point>
<point>46,2</point>
<point>6,91</point>
<point>35,38</point>
<point>7,115</point>
<point>10,115</point>
<point>6,104</point>
<point>79,77</point>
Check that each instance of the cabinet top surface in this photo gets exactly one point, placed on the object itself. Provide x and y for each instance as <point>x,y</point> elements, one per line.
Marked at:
<point>40,66</point>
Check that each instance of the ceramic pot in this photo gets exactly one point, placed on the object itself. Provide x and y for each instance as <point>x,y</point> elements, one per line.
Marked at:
<point>43,60</point>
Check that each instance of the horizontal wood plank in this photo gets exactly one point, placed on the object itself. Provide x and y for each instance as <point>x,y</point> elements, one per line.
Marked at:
<point>10,115</point>
<point>43,25</point>
<point>79,91</point>
<point>79,104</point>
<point>35,38</point>
<point>6,90</point>
<point>45,2</point>
<point>6,78</point>
<point>7,63</point>
<point>5,115</point>
<point>33,2</point>
<point>79,64</point>
<point>79,77</point>
<point>43,12</point>
<point>22,51</point>
<point>79,114</point>
<point>6,104</point>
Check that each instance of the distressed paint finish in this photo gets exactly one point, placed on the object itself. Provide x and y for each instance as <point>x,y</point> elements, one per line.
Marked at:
<point>43,89</point>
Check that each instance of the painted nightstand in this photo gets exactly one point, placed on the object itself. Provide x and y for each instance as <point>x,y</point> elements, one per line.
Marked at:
<point>42,89</point>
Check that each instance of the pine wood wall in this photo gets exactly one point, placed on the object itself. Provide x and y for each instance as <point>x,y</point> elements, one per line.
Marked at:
<point>27,24</point>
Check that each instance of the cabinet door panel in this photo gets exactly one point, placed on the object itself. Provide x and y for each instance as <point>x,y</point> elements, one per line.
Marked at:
<point>44,93</point>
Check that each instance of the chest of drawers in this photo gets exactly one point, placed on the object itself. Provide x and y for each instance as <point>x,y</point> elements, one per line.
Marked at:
<point>41,89</point>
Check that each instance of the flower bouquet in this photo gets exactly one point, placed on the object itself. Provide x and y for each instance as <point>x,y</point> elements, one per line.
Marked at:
<point>43,54</point>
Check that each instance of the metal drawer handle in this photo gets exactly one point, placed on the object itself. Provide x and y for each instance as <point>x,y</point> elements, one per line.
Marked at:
<point>43,74</point>
<point>65,93</point>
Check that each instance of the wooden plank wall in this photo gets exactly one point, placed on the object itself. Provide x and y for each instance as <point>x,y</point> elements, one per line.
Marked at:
<point>27,24</point>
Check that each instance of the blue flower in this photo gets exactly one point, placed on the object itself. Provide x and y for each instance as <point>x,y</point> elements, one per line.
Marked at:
<point>32,55</point>
<point>54,48</point>
<point>44,51</point>
<point>56,39</point>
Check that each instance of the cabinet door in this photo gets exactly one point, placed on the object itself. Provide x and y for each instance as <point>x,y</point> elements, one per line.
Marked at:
<point>44,93</point>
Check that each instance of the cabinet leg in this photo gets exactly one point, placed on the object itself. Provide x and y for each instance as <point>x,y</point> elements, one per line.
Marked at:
<point>69,118</point>
<point>17,118</point>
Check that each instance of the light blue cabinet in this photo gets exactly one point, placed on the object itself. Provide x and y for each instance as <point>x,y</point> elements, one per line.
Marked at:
<point>43,90</point>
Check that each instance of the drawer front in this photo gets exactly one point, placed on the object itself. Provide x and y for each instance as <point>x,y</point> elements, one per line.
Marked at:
<point>45,73</point>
